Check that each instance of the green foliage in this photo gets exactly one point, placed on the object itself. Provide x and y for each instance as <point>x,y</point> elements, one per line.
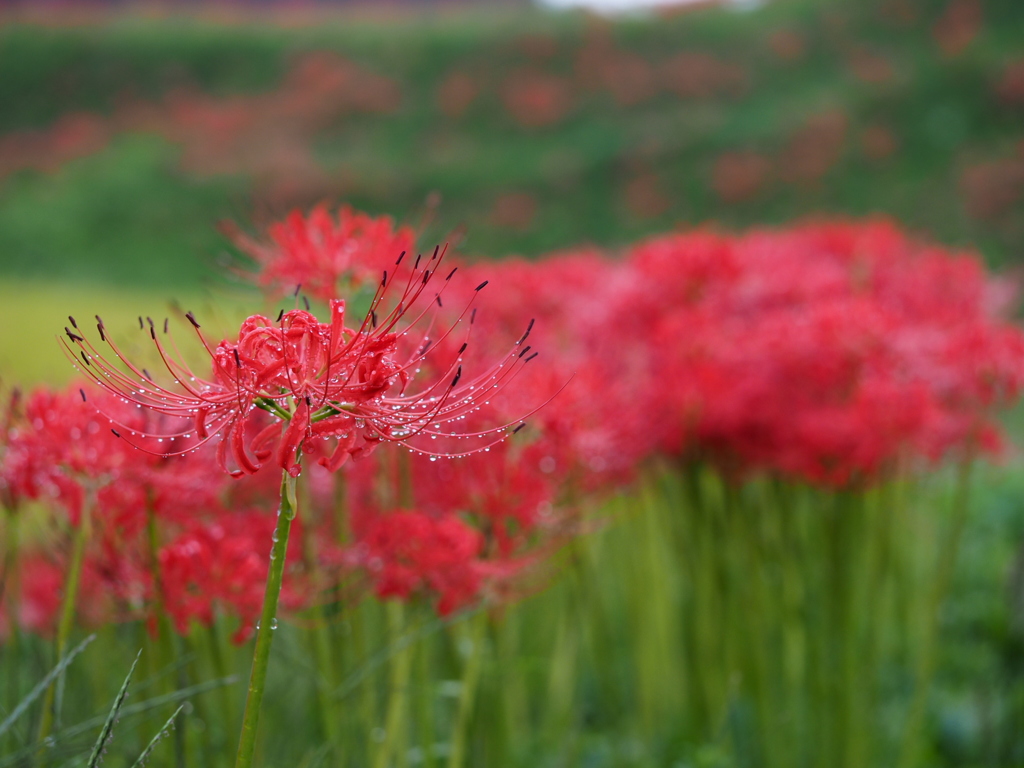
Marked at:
<point>131,214</point>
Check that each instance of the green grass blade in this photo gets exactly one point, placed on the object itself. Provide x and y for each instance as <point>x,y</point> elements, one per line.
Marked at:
<point>38,691</point>
<point>108,726</point>
<point>159,735</point>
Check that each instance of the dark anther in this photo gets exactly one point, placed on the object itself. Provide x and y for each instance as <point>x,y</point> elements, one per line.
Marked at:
<point>72,335</point>
<point>451,273</point>
<point>152,333</point>
<point>531,357</point>
<point>463,347</point>
<point>305,303</point>
<point>99,327</point>
<point>436,249</point>
<point>166,320</point>
<point>280,315</point>
<point>141,324</point>
<point>526,349</point>
<point>426,276</point>
<point>84,358</point>
<point>150,321</point>
<point>425,347</point>
<point>147,374</point>
<point>384,280</point>
<point>519,427</point>
<point>400,257</point>
<point>192,319</point>
<point>472,316</point>
<point>73,323</point>
<point>297,289</point>
<point>238,360</point>
<point>82,393</point>
<point>528,329</point>
<point>458,375</point>
<point>309,401</point>
<point>417,264</point>
<point>116,433</point>
<point>480,287</point>
<point>438,298</point>
<point>373,319</point>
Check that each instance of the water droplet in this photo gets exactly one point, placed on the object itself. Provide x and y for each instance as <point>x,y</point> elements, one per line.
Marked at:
<point>273,623</point>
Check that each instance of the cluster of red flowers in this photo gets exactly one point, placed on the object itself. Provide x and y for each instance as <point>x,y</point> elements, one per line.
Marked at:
<point>268,135</point>
<point>830,353</point>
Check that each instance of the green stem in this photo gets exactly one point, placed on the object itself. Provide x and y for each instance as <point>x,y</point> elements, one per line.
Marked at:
<point>320,640</point>
<point>401,662</point>
<point>467,690</point>
<point>67,614</point>
<point>267,624</point>
<point>911,746</point>
<point>12,591</point>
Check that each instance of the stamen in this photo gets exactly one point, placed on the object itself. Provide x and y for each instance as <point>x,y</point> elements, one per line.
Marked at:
<point>438,298</point>
<point>528,329</point>
<point>279,316</point>
<point>400,257</point>
<point>297,289</point>
<point>458,375</point>
<point>463,347</point>
<point>82,393</point>
<point>480,287</point>
<point>384,280</point>
<point>472,316</point>
<point>72,335</point>
<point>84,358</point>
<point>116,433</point>
<point>73,323</point>
<point>530,357</point>
<point>519,427</point>
<point>141,324</point>
<point>426,276</point>
<point>305,302</point>
<point>238,360</point>
<point>192,319</point>
<point>451,273</point>
<point>526,349</point>
<point>166,321</point>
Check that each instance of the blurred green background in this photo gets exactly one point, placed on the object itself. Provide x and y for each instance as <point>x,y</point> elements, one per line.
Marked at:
<point>126,137</point>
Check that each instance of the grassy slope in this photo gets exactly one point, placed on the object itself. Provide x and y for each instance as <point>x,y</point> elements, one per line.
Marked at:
<point>128,214</point>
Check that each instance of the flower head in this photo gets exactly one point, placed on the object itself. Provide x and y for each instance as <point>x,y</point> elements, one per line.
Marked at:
<point>318,252</point>
<point>296,383</point>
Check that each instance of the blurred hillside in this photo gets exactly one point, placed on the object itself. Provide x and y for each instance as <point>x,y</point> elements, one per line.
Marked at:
<point>123,144</point>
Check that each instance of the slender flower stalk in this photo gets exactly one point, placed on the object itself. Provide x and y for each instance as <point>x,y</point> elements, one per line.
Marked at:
<point>67,614</point>
<point>267,623</point>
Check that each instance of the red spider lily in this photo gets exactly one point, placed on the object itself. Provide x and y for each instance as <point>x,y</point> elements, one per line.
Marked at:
<point>62,446</point>
<point>322,381</point>
<point>320,253</point>
<point>221,565</point>
<point>833,352</point>
<point>409,552</point>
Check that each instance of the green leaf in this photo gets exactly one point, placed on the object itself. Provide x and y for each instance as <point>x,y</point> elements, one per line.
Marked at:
<point>38,691</point>
<point>108,726</point>
<point>159,735</point>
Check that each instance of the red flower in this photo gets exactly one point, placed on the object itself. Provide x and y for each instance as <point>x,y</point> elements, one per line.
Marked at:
<point>298,382</point>
<point>221,566</point>
<point>318,252</point>
<point>410,552</point>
